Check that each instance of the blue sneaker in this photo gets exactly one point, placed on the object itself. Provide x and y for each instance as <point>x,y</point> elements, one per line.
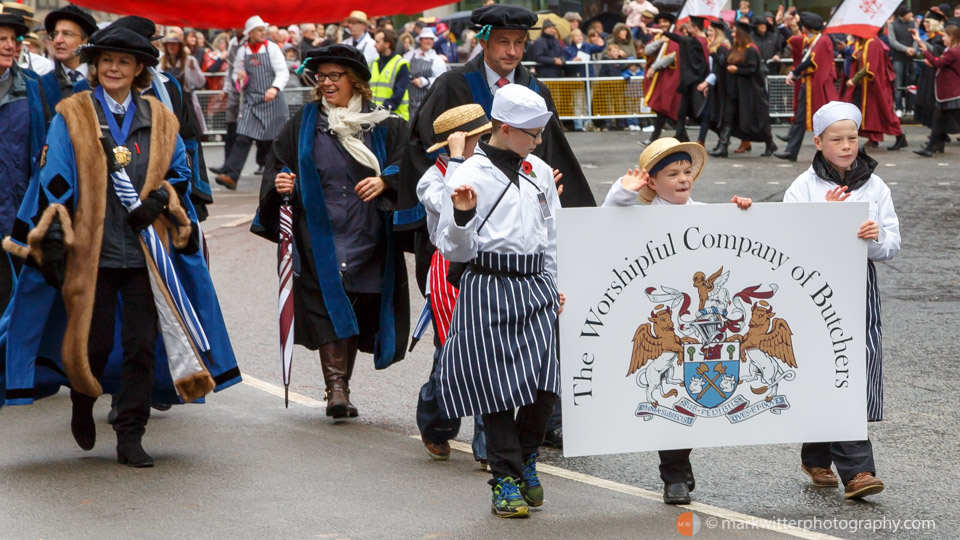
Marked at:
<point>507,502</point>
<point>531,489</point>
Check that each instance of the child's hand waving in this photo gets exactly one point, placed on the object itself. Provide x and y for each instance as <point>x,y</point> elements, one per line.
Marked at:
<point>635,179</point>
<point>837,194</point>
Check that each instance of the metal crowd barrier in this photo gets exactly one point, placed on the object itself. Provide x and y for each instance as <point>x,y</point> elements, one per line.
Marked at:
<point>583,97</point>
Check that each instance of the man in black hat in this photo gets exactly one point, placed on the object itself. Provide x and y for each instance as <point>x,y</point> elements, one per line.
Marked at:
<point>502,32</point>
<point>67,29</point>
<point>23,117</point>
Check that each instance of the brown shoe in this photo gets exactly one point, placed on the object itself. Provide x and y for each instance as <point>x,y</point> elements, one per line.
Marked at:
<point>821,476</point>
<point>439,451</point>
<point>863,484</point>
<point>227,182</point>
<point>336,396</point>
<point>744,147</point>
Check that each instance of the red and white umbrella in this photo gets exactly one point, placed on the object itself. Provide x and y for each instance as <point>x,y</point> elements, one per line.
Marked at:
<point>285,271</point>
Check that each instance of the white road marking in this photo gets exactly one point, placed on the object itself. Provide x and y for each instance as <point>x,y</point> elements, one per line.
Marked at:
<point>892,183</point>
<point>784,165</point>
<point>943,183</point>
<point>720,183</point>
<point>716,511</point>
<point>890,164</point>
<point>275,390</point>
<point>774,182</point>
<point>737,165</point>
<point>943,164</point>
<point>239,221</point>
<point>230,216</point>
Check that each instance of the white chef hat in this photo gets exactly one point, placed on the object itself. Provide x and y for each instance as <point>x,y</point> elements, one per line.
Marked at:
<point>518,106</point>
<point>832,112</point>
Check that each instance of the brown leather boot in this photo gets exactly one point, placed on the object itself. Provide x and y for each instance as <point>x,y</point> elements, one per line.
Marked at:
<point>352,347</point>
<point>821,476</point>
<point>333,359</point>
<point>745,146</point>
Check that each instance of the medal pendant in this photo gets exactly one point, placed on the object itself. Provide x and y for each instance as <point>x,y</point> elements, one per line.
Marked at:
<point>122,155</point>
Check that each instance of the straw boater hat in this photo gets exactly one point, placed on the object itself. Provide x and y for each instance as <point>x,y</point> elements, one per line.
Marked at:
<point>469,118</point>
<point>25,11</point>
<point>664,147</point>
<point>359,16</point>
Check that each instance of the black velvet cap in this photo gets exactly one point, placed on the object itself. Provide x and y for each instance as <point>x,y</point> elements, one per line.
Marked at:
<point>504,17</point>
<point>122,40</point>
<point>71,12</point>
<point>812,21</point>
<point>338,53</point>
<point>141,25</point>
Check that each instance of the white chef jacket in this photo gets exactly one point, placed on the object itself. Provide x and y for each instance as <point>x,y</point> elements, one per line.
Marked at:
<point>517,225</point>
<point>432,190</point>
<point>281,74</point>
<point>808,187</point>
<point>438,68</point>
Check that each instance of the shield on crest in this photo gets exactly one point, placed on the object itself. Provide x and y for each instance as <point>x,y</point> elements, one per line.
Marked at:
<point>711,372</point>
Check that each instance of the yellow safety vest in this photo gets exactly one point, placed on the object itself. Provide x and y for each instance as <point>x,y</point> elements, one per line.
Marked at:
<point>381,83</point>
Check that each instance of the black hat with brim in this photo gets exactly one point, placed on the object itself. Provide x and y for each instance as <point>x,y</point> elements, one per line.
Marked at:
<point>20,28</point>
<point>141,25</point>
<point>84,20</point>
<point>341,54</point>
<point>812,21</point>
<point>664,16</point>
<point>744,25</point>
<point>504,17</point>
<point>121,40</point>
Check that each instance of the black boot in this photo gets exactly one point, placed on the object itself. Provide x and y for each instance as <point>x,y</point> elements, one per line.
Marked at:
<point>724,144</point>
<point>130,453</point>
<point>678,493</point>
<point>901,142</point>
<point>81,421</point>
<point>771,148</point>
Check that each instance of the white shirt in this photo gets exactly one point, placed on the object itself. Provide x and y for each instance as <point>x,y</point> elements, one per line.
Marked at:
<point>493,77</point>
<point>621,196</point>
<point>366,45</point>
<point>808,187</point>
<point>82,68</point>
<point>41,65</point>
<point>517,224</point>
<point>115,107</point>
<point>438,68</point>
<point>277,61</point>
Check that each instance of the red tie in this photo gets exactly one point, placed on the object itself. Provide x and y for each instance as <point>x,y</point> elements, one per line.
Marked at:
<point>502,82</point>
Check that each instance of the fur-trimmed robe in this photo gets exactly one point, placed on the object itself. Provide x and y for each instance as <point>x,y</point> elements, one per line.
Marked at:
<point>73,185</point>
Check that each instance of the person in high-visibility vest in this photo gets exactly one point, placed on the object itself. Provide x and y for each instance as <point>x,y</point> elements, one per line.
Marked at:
<point>390,76</point>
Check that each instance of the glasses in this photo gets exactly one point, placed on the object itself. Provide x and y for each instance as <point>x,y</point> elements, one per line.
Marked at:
<point>66,35</point>
<point>534,136</point>
<point>334,76</point>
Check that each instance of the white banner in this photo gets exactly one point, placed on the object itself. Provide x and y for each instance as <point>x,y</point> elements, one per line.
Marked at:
<point>862,18</point>
<point>700,8</point>
<point>706,325</point>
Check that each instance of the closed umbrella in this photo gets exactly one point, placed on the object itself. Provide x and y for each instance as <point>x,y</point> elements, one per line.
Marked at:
<point>285,271</point>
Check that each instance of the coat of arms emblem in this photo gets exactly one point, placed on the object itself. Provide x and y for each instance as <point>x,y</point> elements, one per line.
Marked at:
<point>731,349</point>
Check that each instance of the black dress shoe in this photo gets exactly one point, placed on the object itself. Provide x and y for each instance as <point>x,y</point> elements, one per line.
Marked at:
<point>783,138</point>
<point>216,170</point>
<point>83,427</point>
<point>259,171</point>
<point>133,455</point>
<point>554,438</point>
<point>924,153</point>
<point>677,493</point>
<point>786,156</point>
<point>770,150</point>
<point>901,142</point>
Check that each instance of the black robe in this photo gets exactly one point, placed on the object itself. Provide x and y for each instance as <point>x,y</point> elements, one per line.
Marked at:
<point>747,108</point>
<point>313,324</point>
<point>718,94</point>
<point>451,90</point>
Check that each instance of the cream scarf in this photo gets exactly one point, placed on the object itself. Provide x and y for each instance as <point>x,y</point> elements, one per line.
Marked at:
<point>348,124</point>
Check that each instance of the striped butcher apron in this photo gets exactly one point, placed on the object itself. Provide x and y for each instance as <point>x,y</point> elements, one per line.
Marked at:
<point>419,67</point>
<point>259,120</point>
<point>501,348</point>
<point>874,348</point>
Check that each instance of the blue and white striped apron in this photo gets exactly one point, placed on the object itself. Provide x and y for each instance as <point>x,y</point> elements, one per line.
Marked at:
<point>259,120</point>
<point>502,344</point>
<point>874,348</point>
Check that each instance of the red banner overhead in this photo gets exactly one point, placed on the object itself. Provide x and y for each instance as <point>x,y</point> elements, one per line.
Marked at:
<point>232,13</point>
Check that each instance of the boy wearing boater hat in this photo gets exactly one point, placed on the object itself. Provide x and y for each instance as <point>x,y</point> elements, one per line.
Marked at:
<point>666,175</point>
<point>842,173</point>
<point>457,130</point>
<point>501,350</point>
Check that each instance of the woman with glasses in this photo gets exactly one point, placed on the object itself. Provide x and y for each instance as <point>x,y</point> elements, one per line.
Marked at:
<point>336,163</point>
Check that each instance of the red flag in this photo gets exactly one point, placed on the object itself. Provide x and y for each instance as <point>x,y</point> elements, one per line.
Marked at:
<point>233,13</point>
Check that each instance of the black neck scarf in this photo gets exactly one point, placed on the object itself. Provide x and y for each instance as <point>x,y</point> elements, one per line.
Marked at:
<point>507,161</point>
<point>854,178</point>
